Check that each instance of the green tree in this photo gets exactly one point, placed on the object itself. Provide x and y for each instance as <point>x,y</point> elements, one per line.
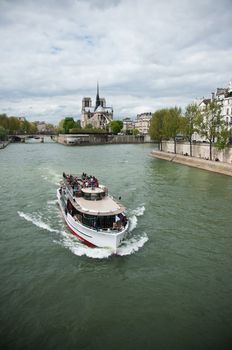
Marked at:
<point>135,132</point>
<point>25,126</point>
<point>223,138</point>
<point>188,123</point>
<point>3,133</point>
<point>78,124</point>
<point>14,125</point>
<point>172,121</point>
<point>210,123</point>
<point>61,127</point>
<point>157,130</point>
<point>4,122</point>
<point>89,126</point>
<point>33,128</point>
<point>69,123</point>
<point>116,126</point>
<point>50,128</point>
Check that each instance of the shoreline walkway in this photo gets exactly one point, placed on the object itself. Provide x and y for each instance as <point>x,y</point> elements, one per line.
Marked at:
<point>217,167</point>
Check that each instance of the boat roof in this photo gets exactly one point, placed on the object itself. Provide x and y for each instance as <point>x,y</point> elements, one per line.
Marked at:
<point>103,207</point>
<point>94,190</point>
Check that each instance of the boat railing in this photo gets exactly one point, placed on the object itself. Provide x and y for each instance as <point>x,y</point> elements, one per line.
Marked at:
<point>80,182</point>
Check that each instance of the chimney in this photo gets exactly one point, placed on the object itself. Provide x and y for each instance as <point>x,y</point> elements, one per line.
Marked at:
<point>213,96</point>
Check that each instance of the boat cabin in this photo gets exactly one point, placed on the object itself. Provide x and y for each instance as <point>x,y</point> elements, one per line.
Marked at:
<point>90,205</point>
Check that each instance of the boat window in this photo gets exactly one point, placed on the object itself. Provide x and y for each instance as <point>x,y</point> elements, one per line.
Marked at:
<point>105,222</point>
<point>87,196</point>
<point>98,222</point>
<point>92,196</point>
<point>89,220</point>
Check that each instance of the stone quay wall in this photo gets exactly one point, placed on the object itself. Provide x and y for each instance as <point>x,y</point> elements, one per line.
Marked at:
<point>96,139</point>
<point>199,150</point>
<point>217,167</point>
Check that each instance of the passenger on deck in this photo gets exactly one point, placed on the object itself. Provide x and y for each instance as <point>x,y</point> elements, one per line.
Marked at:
<point>118,222</point>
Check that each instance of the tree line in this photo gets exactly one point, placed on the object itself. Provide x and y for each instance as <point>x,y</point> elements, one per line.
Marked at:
<point>14,126</point>
<point>69,126</point>
<point>171,123</point>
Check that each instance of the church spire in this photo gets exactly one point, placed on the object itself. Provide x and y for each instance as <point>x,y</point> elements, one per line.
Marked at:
<point>98,103</point>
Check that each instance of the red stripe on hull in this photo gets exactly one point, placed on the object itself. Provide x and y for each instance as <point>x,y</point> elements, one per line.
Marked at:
<point>75,234</point>
<point>82,239</point>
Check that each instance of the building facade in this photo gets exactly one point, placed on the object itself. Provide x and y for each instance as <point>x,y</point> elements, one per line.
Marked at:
<point>41,126</point>
<point>128,124</point>
<point>99,116</point>
<point>224,97</point>
<point>142,123</point>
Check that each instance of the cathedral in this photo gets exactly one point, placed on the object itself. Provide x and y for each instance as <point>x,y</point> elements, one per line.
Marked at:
<point>99,116</point>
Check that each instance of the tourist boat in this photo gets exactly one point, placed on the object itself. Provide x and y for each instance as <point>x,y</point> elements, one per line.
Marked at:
<point>91,213</point>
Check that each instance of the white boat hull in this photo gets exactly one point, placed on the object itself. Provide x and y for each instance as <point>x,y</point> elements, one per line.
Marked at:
<point>94,238</point>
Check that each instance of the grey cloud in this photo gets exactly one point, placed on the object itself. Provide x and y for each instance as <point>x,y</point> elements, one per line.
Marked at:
<point>145,54</point>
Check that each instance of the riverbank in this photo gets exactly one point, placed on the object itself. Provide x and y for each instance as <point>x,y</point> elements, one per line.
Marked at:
<point>217,167</point>
<point>3,144</point>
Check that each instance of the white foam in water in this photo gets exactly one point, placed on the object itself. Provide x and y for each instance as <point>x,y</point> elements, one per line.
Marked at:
<point>133,219</point>
<point>37,221</point>
<point>138,211</point>
<point>133,223</point>
<point>132,245</point>
<point>78,248</point>
<point>129,246</point>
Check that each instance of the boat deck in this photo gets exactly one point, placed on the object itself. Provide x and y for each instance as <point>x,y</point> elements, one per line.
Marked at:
<point>106,206</point>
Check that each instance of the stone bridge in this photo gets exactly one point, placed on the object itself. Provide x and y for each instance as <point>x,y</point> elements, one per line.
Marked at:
<point>24,137</point>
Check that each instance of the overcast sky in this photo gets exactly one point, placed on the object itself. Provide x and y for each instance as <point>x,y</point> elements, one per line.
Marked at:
<point>146,54</point>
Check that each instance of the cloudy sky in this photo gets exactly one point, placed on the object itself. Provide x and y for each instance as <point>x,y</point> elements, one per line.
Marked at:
<point>146,54</point>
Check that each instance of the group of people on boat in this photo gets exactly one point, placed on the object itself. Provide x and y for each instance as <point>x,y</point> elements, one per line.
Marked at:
<point>78,183</point>
<point>120,221</point>
<point>89,180</point>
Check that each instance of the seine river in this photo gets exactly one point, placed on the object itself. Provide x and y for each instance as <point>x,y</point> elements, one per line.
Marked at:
<point>170,287</point>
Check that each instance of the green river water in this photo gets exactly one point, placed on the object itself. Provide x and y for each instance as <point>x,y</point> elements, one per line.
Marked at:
<point>170,287</point>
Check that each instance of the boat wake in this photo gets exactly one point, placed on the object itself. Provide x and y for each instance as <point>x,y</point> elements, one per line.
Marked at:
<point>130,245</point>
<point>78,248</point>
<point>138,211</point>
<point>133,214</point>
<point>36,219</point>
